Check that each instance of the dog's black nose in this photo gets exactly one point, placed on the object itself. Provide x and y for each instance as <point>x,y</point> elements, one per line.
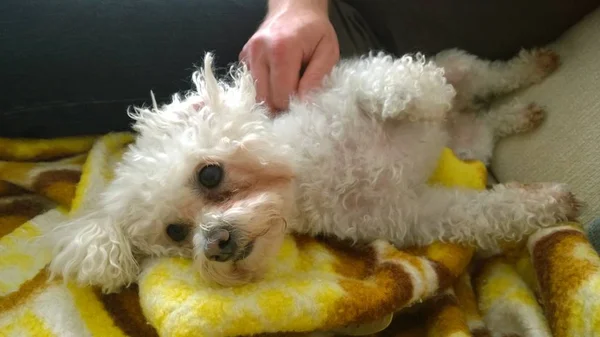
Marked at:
<point>220,246</point>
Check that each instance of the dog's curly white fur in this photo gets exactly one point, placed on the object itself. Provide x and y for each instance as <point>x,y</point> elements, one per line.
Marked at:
<point>352,161</point>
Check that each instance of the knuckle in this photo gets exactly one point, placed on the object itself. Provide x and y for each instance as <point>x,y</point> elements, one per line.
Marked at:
<point>279,47</point>
<point>254,46</point>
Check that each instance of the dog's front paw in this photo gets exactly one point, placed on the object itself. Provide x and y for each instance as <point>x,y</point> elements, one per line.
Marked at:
<point>557,200</point>
<point>568,206</point>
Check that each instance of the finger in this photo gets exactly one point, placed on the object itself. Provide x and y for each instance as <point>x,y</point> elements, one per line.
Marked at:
<point>323,60</point>
<point>253,56</point>
<point>260,73</point>
<point>243,55</point>
<point>284,72</point>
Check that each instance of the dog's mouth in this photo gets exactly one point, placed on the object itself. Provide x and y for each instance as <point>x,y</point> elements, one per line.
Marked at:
<point>244,252</point>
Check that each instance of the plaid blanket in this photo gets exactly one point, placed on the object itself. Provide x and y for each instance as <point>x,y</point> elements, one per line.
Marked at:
<point>547,286</point>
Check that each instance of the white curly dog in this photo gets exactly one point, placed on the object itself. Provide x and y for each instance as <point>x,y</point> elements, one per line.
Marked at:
<point>213,177</point>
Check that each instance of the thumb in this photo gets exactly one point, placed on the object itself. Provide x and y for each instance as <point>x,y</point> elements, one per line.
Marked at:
<point>322,61</point>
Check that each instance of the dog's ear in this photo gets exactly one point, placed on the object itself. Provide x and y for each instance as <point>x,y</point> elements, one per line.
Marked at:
<point>93,250</point>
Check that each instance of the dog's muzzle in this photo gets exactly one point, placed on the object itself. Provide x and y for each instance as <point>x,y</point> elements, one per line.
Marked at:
<point>221,246</point>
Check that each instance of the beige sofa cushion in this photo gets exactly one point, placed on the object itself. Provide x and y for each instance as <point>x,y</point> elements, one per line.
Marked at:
<point>567,146</point>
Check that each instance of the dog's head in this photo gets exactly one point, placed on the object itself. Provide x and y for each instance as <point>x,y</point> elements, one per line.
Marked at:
<point>205,178</point>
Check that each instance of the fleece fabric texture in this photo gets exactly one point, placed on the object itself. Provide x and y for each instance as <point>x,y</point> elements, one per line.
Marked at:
<point>565,147</point>
<point>548,286</point>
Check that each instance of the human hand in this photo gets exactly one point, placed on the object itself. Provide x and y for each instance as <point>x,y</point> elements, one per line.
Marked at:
<point>295,36</point>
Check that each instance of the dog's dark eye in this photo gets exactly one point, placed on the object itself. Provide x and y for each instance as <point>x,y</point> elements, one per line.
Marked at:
<point>210,176</point>
<point>177,232</point>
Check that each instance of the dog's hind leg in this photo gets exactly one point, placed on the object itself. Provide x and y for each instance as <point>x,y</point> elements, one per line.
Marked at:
<point>484,218</point>
<point>474,77</point>
<point>409,88</point>
<point>471,138</point>
<point>473,135</point>
<point>512,118</point>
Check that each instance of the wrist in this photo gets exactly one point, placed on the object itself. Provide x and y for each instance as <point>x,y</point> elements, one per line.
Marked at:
<point>279,6</point>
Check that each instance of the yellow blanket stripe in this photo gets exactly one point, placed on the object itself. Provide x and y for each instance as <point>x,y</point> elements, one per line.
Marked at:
<point>17,263</point>
<point>503,294</point>
<point>43,149</point>
<point>26,324</point>
<point>97,320</point>
<point>97,164</point>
